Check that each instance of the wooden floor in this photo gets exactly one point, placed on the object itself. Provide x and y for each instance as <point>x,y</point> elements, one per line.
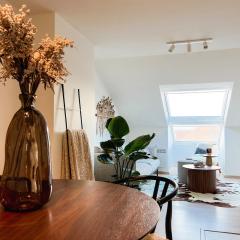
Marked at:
<point>190,218</point>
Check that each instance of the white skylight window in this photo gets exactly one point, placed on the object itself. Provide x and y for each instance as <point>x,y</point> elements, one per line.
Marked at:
<point>196,112</point>
<point>198,133</point>
<point>197,103</point>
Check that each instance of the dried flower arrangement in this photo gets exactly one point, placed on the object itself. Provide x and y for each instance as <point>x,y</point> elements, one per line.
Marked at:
<point>105,110</point>
<point>19,59</point>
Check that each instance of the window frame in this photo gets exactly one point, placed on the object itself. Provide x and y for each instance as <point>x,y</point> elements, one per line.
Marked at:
<point>196,120</point>
<point>196,141</point>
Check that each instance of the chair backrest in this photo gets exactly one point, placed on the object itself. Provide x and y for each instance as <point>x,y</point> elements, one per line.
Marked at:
<point>168,191</point>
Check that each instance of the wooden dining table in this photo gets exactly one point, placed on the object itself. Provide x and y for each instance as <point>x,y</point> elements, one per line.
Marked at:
<point>84,210</point>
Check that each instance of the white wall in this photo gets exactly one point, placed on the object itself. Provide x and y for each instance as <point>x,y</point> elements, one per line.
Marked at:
<point>158,146</point>
<point>232,152</point>
<point>103,172</point>
<point>134,84</point>
<point>45,98</point>
<point>182,150</point>
<point>80,63</point>
<point>101,91</point>
<point>9,102</point>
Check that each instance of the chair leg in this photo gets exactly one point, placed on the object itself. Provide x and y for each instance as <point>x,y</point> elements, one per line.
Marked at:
<point>153,230</point>
<point>168,222</point>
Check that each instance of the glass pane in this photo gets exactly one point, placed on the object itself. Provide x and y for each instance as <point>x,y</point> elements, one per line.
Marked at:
<point>208,103</point>
<point>201,133</point>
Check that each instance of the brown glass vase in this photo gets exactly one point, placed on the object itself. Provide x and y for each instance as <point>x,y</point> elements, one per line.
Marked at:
<point>26,183</point>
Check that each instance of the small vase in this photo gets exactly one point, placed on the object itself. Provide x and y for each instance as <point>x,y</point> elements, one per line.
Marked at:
<point>26,183</point>
<point>209,161</point>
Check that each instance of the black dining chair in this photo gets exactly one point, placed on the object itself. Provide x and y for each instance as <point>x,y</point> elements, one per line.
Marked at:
<point>164,190</point>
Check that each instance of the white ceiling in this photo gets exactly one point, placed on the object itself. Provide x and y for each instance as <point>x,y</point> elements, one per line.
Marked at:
<point>134,83</point>
<point>120,28</point>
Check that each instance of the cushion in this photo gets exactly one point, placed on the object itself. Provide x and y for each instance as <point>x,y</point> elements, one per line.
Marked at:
<point>202,148</point>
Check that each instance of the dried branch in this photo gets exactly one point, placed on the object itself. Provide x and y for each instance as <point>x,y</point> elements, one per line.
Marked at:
<point>18,58</point>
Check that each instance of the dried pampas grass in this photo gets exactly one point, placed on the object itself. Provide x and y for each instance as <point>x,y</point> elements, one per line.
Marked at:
<point>19,59</point>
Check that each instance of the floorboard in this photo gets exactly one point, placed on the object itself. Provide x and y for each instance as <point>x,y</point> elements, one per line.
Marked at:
<point>190,218</point>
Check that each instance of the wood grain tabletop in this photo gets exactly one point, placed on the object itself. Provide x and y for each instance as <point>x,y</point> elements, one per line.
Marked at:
<point>205,168</point>
<point>84,210</point>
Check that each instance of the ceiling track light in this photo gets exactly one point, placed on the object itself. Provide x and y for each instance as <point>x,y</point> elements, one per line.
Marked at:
<point>189,47</point>
<point>189,43</point>
<point>205,45</point>
<point>172,47</point>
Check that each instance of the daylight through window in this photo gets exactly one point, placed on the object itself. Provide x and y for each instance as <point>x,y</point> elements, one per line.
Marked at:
<point>196,115</point>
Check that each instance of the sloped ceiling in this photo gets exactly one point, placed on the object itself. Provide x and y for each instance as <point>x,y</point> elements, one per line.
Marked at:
<point>134,82</point>
<point>142,27</point>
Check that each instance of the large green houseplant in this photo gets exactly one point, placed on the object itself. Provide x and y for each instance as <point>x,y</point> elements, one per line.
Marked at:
<point>122,156</point>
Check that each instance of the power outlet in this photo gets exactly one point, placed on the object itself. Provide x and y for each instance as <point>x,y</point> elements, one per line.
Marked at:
<point>159,150</point>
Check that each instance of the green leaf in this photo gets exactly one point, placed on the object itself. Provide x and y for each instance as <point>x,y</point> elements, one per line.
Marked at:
<point>117,127</point>
<point>105,158</point>
<point>135,174</point>
<point>138,144</point>
<point>108,121</point>
<point>118,142</point>
<point>107,146</point>
<point>138,155</point>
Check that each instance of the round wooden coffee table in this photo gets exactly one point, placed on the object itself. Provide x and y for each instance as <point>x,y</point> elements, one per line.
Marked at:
<point>203,179</point>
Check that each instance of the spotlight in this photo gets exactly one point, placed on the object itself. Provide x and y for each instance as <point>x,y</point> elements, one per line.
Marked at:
<point>205,45</point>
<point>172,47</point>
<point>189,47</point>
<point>188,43</point>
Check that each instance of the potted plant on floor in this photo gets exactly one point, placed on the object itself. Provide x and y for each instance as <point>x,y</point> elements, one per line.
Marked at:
<point>123,157</point>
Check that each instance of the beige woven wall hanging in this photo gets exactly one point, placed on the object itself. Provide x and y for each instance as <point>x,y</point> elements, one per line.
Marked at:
<point>105,110</point>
